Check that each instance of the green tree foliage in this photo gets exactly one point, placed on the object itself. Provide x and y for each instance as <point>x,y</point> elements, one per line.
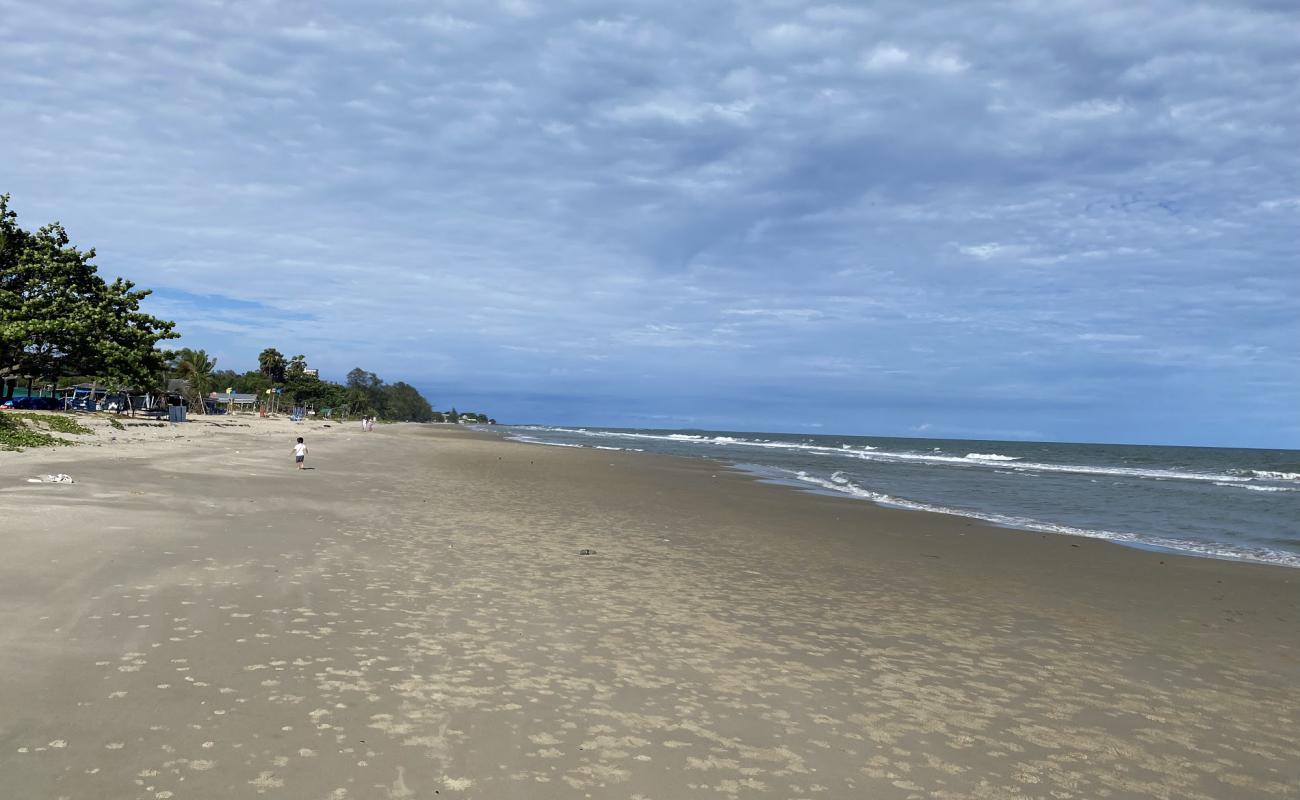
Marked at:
<point>271,364</point>
<point>199,370</point>
<point>365,392</point>
<point>302,389</point>
<point>58,317</point>
<point>296,369</point>
<point>403,402</point>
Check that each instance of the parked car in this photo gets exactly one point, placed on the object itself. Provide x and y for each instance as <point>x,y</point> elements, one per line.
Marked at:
<point>31,404</point>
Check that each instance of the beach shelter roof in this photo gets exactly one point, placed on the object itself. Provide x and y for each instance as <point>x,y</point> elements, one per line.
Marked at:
<point>84,388</point>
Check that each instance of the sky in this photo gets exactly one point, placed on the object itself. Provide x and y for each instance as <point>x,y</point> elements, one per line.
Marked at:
<point>1020,219</point>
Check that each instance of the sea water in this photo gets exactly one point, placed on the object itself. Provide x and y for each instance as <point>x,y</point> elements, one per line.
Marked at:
<point>1221,502</point>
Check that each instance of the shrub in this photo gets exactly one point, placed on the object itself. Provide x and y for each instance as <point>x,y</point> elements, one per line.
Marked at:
<point>15,435</point>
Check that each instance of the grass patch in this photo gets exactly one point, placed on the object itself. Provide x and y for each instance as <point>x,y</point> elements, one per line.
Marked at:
<point>15,435</point>
<point>113,421</point>
<point>55,422</point>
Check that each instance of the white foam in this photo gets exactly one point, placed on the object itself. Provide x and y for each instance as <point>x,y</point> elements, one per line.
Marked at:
<point>1261,555</point>
<point>1257,488</point>
<point>1269,475</point>
<point>533,440</point>
<point>981,460</point>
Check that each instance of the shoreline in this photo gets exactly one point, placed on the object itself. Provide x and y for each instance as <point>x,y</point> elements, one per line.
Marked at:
<point>192,618</point>
<point>812,476</point>
<point>1112,537</point>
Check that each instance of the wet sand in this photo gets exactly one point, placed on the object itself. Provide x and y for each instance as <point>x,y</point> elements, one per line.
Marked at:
<point>412,619</point>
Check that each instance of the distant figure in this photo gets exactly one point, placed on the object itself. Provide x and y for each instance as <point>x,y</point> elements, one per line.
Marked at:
<point>364,421</point>
<point>299,453</point>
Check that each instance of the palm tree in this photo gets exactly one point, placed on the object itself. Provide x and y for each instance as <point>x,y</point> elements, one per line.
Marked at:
<point>271,363</point>
<point>195,367</point>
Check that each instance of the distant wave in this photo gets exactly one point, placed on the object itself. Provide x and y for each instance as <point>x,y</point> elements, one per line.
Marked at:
<point>839,483</point>
<point>983,460</point>
<point>1269,475</point>
<point>519,437</point>
<point>1257,488</point>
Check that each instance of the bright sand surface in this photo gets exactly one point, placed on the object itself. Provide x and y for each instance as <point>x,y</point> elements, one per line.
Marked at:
<point>412,619</point>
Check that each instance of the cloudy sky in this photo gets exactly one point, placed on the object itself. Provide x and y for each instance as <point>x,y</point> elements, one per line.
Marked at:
<point>1016,219</point>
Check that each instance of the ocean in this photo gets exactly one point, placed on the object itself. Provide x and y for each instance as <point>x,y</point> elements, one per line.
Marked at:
<point>1240,504</point>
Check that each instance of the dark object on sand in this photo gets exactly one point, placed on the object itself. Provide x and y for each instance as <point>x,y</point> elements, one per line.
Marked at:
<point>586,551</point>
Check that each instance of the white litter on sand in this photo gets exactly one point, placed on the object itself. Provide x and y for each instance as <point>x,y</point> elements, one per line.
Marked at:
<point>60,478</point>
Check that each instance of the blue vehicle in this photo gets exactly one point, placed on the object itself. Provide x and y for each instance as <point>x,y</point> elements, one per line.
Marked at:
<point>31,404</point>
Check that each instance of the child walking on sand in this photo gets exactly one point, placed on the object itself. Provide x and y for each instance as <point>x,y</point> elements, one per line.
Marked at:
<point>299,452</point>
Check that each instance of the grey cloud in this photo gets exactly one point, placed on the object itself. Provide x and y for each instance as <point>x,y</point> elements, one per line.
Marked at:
<point>985,193</point>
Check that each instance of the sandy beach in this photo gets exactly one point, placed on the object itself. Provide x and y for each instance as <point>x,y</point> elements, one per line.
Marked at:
<point>412,618</point>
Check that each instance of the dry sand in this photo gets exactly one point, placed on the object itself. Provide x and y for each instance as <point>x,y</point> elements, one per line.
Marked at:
<point>411,619</point>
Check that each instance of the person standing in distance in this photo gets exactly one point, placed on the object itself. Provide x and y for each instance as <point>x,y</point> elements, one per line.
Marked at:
<point>299,453</point>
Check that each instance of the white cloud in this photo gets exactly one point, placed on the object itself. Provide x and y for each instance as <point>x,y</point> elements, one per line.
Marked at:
<point>1108,337</point>
<point>886,56</point>
<point>793,37</point>
<point>665,192</point>
<point>679,111</point>
<point>890,57</point>
<point>783,314</point>
<point>983,251</point>
<point>447,23</point>
<point>1088,110</point>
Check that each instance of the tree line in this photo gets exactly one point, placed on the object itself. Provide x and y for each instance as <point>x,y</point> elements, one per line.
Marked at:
<point>60,321</point>
<point>362,394</point>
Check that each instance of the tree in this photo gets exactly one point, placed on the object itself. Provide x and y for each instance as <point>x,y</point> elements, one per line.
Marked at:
<point>364,394</point>
<point>197,368</point>
<point>303,389</point>
<point>271,363</point>
<point>452,416</point>
<point>404,403</point>
<point>124,350</point>
<point>358,378</point>
<point>296,369</point>
<point>59,317</point>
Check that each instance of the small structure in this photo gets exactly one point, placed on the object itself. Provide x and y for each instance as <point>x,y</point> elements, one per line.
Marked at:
<point>96,390</point>
<point>82,396</point>
<point>235,401</point>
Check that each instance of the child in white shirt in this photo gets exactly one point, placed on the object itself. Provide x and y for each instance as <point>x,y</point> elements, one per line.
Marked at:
<point>299,452</point>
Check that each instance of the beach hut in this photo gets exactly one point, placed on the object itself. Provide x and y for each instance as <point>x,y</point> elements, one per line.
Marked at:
<point>235,401</point>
